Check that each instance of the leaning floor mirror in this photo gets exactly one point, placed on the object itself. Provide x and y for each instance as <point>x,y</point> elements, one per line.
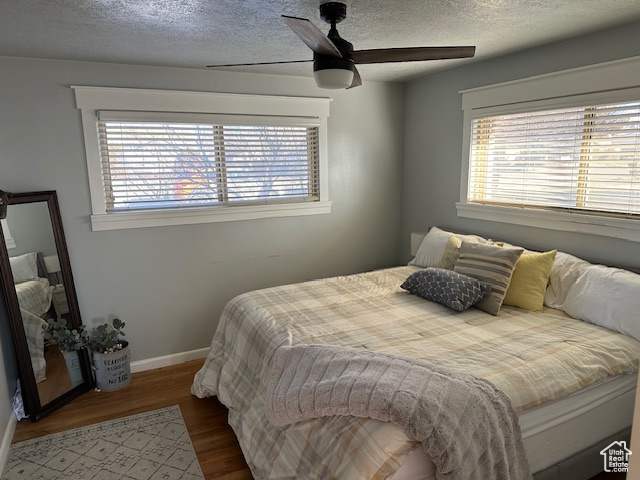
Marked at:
<point>38,286</point>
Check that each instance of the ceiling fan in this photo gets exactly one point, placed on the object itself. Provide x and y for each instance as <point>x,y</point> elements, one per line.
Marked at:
<point>334,59</point>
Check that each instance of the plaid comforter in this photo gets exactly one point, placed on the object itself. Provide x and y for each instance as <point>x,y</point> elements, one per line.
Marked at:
<point>532,357</point>
<point>34,331</point>
<point>35,295</point>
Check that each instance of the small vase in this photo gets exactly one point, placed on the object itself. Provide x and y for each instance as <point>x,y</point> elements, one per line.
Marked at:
<point>113,370</point>
<point>72,359</point>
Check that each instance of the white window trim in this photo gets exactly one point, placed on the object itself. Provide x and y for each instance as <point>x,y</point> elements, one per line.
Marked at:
<point>92,99</point>
<point>8,239</point>
<point>610,81</point>
<point>554,220</point>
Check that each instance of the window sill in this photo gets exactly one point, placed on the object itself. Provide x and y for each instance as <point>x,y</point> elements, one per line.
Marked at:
<point>124,220</point>
<point>627,229</point>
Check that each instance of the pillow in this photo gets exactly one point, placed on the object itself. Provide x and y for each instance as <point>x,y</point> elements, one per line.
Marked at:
<point>445,287</point>
<point>450,255</point>
<point>529,281</point>
<point>492,265</point>
<point>24,267</point>
<point>433,246</point>
<point>609,297</point>
<point>564,273</point>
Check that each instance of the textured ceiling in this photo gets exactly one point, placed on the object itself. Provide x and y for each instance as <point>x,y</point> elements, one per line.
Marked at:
<point>194,33</point>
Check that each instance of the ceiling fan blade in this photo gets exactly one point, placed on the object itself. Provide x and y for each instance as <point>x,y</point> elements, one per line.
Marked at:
<point>357,80</point>
<point>257,63</point>
<point>411,54</point>
<point>312,36</point>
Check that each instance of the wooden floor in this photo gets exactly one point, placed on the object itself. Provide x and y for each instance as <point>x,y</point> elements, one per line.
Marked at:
<point>610,476</point>
<point>58,381</point>
<point>213,440</point>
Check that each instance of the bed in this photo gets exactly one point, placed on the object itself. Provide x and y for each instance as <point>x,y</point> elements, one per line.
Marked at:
<point>579,372</point>
<point>34,293</point>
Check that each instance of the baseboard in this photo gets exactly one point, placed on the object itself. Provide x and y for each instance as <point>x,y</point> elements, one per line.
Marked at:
<point>6,441</point>
<point>167,360</point>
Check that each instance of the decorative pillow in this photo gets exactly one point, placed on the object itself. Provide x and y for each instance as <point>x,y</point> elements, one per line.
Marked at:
<point>434,244</point>
<point>492,265</point>
<point>450,255</point>
<point>564,273</point>
<point>448,288</point>
<point>529,281</point>
<point>609,297</point>
<point>24,267</point>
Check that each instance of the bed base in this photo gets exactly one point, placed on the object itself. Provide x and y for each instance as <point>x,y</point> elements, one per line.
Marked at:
<point>583,465</point>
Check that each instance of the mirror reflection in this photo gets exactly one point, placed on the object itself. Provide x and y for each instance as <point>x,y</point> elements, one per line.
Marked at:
<point>37,277</point>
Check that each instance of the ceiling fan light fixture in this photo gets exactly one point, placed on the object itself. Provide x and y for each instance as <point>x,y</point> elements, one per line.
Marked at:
<point>333,78</point>
<point>333,72</point>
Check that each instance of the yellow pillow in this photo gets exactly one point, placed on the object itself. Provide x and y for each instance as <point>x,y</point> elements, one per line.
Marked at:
<point>529,281</point>
<point>450,256</point>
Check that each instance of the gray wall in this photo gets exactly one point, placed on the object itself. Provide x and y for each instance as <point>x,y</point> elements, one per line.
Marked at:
<point>433,145</point>
<point>30,227</point>
<point>8,368</point>
<point>170,283</point>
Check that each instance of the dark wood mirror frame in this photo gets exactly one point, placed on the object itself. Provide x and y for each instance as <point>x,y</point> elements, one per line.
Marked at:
<point>30,394</point>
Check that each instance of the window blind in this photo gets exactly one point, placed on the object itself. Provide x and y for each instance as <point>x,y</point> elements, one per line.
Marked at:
<point>585,158</point>
<point>153,164</point>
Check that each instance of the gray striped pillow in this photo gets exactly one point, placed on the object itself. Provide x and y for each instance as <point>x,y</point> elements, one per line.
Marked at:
<point>492,265</point>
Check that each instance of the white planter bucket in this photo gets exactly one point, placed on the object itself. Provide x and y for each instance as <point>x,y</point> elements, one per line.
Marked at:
<point>72,359</point>
<point>113,370</point>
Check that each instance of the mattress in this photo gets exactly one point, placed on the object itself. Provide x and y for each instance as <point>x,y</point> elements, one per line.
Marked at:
<point>557,430</point>
<point>535,358</point>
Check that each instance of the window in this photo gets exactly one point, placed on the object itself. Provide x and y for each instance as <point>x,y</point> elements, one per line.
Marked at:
<point>151,164</point>
<point>558,151</point>
<point>251,157</point>
<point>583,158</point>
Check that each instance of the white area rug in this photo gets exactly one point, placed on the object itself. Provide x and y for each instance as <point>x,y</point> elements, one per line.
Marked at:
<point>151,445</point>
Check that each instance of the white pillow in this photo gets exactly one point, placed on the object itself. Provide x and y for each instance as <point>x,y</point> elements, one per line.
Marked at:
<point>24,267</point>
<point>565,271</point>
<point>609,297</point>
<point>433,244</point>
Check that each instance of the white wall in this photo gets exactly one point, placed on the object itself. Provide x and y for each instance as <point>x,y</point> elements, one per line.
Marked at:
<point>170,283</point>
<point>433,145</point>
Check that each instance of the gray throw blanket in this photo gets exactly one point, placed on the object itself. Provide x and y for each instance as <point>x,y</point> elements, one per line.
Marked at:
<point>465,424</point>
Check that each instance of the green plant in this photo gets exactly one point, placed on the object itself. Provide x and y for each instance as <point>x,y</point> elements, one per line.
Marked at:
<point>105,338</point>
<point>67,339</point>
